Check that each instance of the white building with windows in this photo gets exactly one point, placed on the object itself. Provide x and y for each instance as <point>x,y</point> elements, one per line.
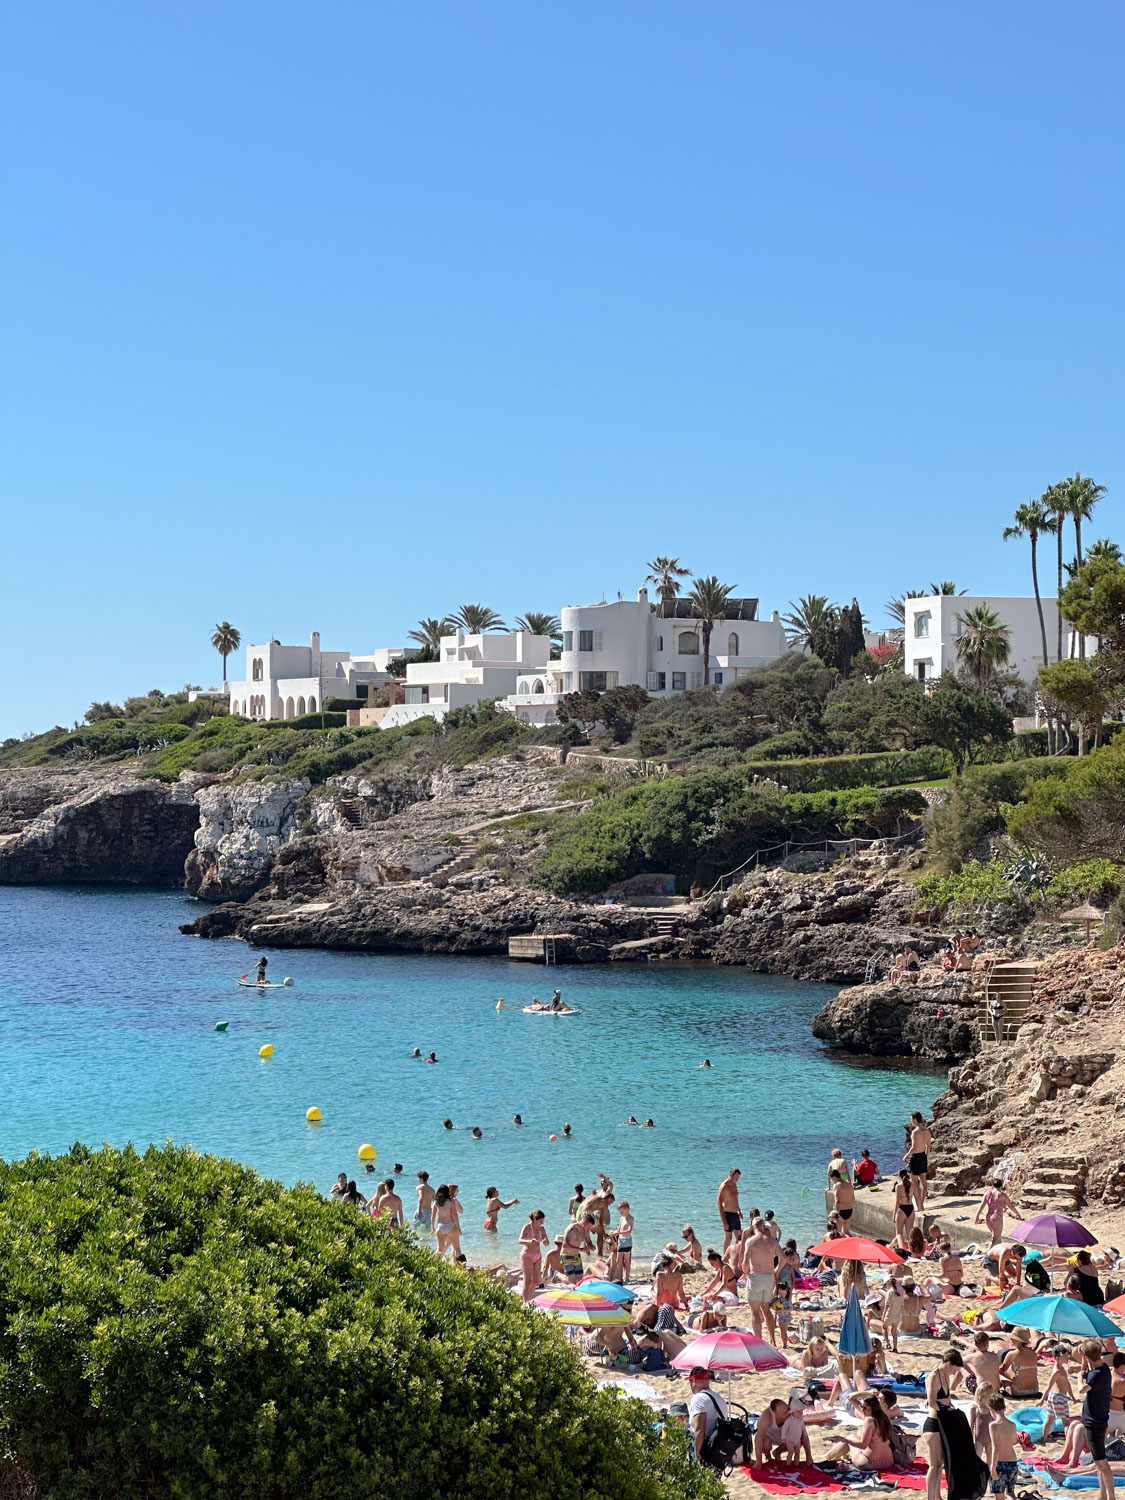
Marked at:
<point>284,681</point>
<point>657,647</point>
<point>933,628</point>
<point>469,669</point>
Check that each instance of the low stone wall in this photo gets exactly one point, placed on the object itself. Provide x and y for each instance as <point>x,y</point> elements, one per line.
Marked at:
<point>873,1217</point>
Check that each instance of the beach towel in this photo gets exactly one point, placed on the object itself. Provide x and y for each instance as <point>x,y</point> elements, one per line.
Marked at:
<point>1078,1481</point>
<point>796,1479</point>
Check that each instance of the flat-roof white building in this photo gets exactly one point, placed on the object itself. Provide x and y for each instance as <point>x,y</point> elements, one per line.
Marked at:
<point>933,628</point>
<point>469,669</point>
<point>284,681</point>
<point>656,647</point>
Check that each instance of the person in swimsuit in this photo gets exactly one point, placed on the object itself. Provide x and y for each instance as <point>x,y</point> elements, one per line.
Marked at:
<point>533,1237</point>
<point>423,1214</point>
<point>261,977</point>
<point>622,1260</point>
<point>917,1157</point>
<point>730,1215</point>
<point>577,1238</point>
<point>939,1397</point>
<point>843,1195</point>
<point>457,1209</point>
<point>871,1446</point>
<point>904,1204</point>
<point>722,1289</point>
<point>993,1207</point>
<point>1058,1393</point>
<point>492,1207</point>
<point>1117,1394</point>
<point>443,1221</point>
<point>576,1202</point>
<point>1019,1370</point>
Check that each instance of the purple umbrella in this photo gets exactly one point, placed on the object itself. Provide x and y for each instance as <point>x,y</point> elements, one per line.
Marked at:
<point>1052,1229</point>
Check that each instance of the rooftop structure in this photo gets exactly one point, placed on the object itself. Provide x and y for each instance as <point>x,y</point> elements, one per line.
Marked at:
<point>282,682</point>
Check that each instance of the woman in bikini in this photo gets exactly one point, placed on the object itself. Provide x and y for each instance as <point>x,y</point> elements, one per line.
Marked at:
<point>939,1398</point>
<point>443,1221</point>
<point>871,1446</point>
<point>458,1210</point>
<point>492,1207</point>
<point>994,1205</point>
<point>533,1236</point>
<point>904,1204</point>
<point>1117,1394</point>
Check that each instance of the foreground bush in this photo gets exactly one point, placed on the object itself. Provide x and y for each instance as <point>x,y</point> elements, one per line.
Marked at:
<point>173,1326</point>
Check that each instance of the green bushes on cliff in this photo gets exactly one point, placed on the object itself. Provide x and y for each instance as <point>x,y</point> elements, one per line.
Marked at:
<point>174,1326</point>
<point>1079,813</point>
<point>698,826</point>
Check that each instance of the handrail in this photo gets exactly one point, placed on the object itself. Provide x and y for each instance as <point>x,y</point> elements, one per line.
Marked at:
<point>789,844</point>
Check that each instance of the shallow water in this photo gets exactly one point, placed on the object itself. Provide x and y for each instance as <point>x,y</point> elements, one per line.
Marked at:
<point>107,1019</point>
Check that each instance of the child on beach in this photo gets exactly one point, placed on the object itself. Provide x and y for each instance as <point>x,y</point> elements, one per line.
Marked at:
<point>980,1420</point>
<point>623,1256</point>
<point>1005,1460</point>
<point>1058,1393</point>
<point>693,1249</point>
<point>783,1311</point>
<point>890,1312</point>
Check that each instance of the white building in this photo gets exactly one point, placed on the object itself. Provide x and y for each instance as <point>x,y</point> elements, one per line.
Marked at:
<point>284,681</point>
<point>656,647</point>
<point>469,669</point>
<point>933,628</point>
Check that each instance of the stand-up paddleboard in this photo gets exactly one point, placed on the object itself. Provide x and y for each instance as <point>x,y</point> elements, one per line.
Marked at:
<point>246,983</point>
<point>534,1010</point>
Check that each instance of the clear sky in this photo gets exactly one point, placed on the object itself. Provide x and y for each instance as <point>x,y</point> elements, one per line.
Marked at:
<point>334,316</point>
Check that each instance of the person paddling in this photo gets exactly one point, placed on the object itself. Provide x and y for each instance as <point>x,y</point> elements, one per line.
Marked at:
<point>261,979</point>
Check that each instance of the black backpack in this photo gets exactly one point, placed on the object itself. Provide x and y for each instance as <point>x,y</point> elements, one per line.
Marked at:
<point>730,1437</point>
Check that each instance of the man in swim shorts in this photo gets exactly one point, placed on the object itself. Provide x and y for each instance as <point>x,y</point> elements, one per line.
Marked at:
<point>917,1157</point>
<point>759,1253</point>
<point>577,1237</point>
<point>730,1214</point>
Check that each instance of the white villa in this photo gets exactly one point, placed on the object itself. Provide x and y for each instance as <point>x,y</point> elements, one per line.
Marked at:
<point>933,628</point>
<point>284,681</point>
<point>656,647</point>
<point>470,668</point>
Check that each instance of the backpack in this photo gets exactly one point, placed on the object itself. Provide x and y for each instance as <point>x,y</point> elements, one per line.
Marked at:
<point>902,1447</point>
<point>1035,1275</point>
<point>729,1439</point>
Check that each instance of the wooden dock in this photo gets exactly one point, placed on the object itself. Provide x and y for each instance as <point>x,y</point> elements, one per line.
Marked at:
<point>541,947</point>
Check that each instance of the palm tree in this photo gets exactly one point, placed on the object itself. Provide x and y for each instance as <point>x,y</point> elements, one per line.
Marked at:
<point>984,643</point>
<point>539,624</point>
<point>708,599</point>
<point>896,607</point>
<point>475,619</point>
<point>428,635</point>
<point>1076,500</point>
<point>225,640</point>
<point>947,586</point>
<point>1031,520</point>
<point>1055,503</point>
<point>665,573</point>
<point>1103,551</point>
<point>806,619</point>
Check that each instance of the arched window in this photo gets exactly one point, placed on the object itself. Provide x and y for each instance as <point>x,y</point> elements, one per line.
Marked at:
<point>523,688</point>
<point>688,643</point>
<point>300,705</point>
<point>312,705</point>
<point>538,688</point>
<point>256,669</point>
<point>288,708</point>
<point>732,643</point>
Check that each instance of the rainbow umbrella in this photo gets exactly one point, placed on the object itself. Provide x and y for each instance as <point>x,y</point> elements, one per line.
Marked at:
<point>582,1309</point>
<point>612,1291</point>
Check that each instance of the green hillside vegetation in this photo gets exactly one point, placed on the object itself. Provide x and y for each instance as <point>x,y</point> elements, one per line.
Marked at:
<point>174,1326</point>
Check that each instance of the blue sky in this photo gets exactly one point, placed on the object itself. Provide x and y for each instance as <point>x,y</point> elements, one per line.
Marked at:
<point>332,317</point>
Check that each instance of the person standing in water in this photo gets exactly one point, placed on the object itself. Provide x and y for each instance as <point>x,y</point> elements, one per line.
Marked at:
<point>492,1206</point>
<point>261,979</point>
<point>426,1196</point>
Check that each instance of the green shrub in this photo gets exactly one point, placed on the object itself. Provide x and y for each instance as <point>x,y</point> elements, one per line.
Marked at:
<point>975,884</point>
<point>834,772</point>
<point>324,720</point>
<point>116,739</point>
<point>1079,813</point>
<point>342,705</point>
<point>978,804</point>
<point>1089,880</point>
<point>176,1328</point>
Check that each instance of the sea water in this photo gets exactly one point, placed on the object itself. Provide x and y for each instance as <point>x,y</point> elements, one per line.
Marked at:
<point>107,1033</point>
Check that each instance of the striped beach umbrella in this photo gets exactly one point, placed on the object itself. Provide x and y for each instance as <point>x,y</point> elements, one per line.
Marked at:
<point>613,1291</point>
<point>582,1309</point>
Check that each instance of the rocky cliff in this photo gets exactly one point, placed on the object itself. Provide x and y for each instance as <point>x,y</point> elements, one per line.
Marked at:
<point>936,1020</point>
<point>242,826</point>
<point>93,826</point>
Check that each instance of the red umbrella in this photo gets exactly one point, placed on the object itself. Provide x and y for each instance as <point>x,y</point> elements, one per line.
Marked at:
<point>869,1251</point>
<point>1116,1306</point>
<point>730,1349</point>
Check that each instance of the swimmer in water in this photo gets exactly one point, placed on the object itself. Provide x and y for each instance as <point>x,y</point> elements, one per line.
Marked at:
<point>417,1052</point>
<point>517,1119</point>
<point>632,1120</point>
<point>397,1169</point>
<point>500,1004</point>
<point>448,1123</point>
<point>477,1133</point>
<point>566,1128</point>
<point>432,1057</point>
<point>649,1124</point>
<point>706,1063</point>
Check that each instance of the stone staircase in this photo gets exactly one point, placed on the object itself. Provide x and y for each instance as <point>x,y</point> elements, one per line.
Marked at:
<point>1012,985</point>
<point>353,810</point>
<point>465,858</point>
<point>1054,1184</point>
<point>665,924</point>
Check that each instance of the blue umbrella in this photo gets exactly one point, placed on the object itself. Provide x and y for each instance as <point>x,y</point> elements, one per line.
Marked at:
<point>1061,1315</point>
<point>613,1291</point>
<point>854,1337</point>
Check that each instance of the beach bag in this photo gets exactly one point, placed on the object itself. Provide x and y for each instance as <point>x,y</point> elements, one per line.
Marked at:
<point>902,1447</point>
<point>730,1437</point>
<point>810,1328</point>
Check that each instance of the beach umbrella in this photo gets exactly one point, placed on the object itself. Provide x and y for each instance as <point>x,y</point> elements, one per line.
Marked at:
<point>612,1291</point>
<point>582,1309</point>
<point>1116,1306</point>
<point>1088,914</point>
<point>1052,1229</point>
<point>854,1337</point>
<point>731,1349</point>
<point>1061,1315</point>
<point>854,1248</point>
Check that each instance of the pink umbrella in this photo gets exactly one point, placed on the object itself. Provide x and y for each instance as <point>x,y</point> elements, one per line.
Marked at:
<point>730,1349</point>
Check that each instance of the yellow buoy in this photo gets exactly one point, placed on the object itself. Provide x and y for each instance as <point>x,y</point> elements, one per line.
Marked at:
<point>367,1153</point>
<point>312,1114</point>
<point>266,1051</point>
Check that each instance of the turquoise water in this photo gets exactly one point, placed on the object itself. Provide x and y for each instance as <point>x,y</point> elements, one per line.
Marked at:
<point>107,1019</point>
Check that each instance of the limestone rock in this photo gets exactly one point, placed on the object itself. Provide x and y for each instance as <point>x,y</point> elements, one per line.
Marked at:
<point>242,826</point>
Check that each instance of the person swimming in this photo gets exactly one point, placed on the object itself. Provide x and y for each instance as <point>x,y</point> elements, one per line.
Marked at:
<point>566,1128</point>
<point>432,1057</point>
<point>500,1004</point>
<point>706,1063</point>
<point>417,1052</point>
<point>477,1133</point>
<point>649,1124</point>
<point>632,1120</point>
<point>517,1119</point>
<point>448,1123</point>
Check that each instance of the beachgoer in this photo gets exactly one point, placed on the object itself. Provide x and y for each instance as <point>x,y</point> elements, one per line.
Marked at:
<point>533,1237</point>
<point>566,1128</point>
<point>722,1289</point>
<point>648,1124</point>
<point>443,1221</point>
<point>552,1262</point>
<point>917,1157</point>
<point>624,1252</point>
<point>388,1204</point>
<point>478,1133</point>
<point>448,1123</point>
<point>432,1057</point>
<point>891,1311</point>
<point>843,1195</point>
<point>704,1409</point>
<point>939,1399</point>
<point>1089,1285</point>
<point>993,1206</point>
<point>517,1119</point>
<point>904,1204</point>
<point>492,1207</point>
<point>1019,1369</point>
<point>576,1202</point>
<point>458,1210</point>
<point>871,1446</point>
<point>423,1214</point>
<point>836,1163</point>
<point>758,1252</point>
<point>706,1063</point>
<point>864,1171</point>
<point>1002,1436</point>
<point>980,1420</point>
<point>772,1225</point>
<point>1009,1267</point>
<point>693,1250</point>
<point>340,1186</point>
<point>417,1052</point>
<point>730,1216</point>
<point>982,1363</point>
<point>261,977</point>
<point>951,1270</point>
<point>352,1195</point>
<point>1095,1412</point>
<point>577,1239</point>
<point>1058,1393</point>
<point>780,1436</point>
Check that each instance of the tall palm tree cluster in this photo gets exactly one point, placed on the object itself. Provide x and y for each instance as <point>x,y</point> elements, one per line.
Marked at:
<point>1070,500</point>
<point>831,631</point>
<point>476,619</point>
<point>708,598</point>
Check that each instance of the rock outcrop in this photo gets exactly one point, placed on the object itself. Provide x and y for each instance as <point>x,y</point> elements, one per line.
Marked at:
<point>242,826</point>
<point>936,1022</point>
<point>93,826</point>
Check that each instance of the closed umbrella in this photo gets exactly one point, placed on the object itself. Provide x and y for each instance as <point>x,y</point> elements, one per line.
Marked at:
<point>855,1248</point>
<point>1052,1229</point>
<point>854,1337</point>
<point>730,1349</point>
<point>1061,1315</point>
<point>582,1310</point>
